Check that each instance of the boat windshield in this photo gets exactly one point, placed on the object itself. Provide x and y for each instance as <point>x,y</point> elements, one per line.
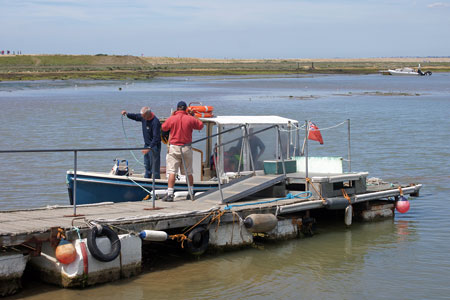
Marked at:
<point>244,142</point>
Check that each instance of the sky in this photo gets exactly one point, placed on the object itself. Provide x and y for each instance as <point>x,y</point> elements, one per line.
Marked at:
<point>240,29</point>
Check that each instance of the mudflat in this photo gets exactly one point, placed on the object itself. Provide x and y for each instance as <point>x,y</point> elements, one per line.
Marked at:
<point>102,66</point>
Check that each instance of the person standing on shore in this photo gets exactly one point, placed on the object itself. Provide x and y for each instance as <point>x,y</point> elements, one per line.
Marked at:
<point>180,124</point>
<point>151,130</point>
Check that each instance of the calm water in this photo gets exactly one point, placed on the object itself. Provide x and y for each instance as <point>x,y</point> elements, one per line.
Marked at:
<point>400,132</point>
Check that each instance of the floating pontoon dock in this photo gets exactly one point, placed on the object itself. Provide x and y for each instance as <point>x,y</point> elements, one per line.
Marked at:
<point>21,226</point>
<point>32,232</point>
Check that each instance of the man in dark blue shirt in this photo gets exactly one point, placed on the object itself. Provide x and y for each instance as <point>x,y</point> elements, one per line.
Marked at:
<point>151,130</point>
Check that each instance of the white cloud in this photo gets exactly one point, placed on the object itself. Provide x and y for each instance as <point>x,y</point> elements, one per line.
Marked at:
<point>438,4</point>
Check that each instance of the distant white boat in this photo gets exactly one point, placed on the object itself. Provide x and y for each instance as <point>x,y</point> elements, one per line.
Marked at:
<point>408,72</point>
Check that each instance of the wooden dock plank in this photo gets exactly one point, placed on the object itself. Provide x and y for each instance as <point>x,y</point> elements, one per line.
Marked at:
<point>24,227</point>
<point>15,226</point>
<point>24,220</point>
<point>243,188</point>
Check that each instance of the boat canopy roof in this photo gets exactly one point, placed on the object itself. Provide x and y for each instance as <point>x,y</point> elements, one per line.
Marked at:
<point>251,120</point>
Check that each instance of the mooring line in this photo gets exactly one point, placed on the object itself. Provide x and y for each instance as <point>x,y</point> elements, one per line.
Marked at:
<point>318,193</point>
<point>132,153</point>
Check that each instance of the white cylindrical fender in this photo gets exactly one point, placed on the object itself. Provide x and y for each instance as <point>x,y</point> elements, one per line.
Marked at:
<point>348,215</point>
<point>258,223</point>
<point>180,194</point>
<point>153,235</point>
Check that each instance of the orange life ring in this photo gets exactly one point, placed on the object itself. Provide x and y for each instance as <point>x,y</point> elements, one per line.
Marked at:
<point>201,108</point>
<point>204,115</point>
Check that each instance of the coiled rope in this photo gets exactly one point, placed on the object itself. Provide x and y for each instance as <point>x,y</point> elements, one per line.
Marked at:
<point>181,237</point>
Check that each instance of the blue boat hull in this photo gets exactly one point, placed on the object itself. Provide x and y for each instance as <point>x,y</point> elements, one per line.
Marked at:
<point>96,189</point>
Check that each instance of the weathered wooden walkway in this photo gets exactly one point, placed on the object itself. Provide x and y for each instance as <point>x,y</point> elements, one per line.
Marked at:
<point>241,189</point>
<point>17,227</point>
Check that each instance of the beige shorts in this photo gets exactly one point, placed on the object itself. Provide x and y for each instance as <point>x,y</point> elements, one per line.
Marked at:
<point>174,162</point>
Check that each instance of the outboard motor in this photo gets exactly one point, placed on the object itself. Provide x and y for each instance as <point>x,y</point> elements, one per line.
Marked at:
<point>120,167</point>
<point>427,73</point>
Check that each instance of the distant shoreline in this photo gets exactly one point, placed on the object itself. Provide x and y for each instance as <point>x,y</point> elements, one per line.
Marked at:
<point>113,67</point>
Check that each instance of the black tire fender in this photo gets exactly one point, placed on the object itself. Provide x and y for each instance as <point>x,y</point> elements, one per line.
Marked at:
<point>198,241</point>
<point>99,231</point>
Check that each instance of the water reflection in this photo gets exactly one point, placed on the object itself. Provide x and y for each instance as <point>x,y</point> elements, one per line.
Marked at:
<point>402,229</point>
<point>283,269</point>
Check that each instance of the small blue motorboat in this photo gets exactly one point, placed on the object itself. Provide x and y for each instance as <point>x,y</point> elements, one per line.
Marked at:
<point>96,187</point>
<point>226,136</point>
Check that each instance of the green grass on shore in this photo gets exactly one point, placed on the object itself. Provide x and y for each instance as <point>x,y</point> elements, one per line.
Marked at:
<point>39,67</point>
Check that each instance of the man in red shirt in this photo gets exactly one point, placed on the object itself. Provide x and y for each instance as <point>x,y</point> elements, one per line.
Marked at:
<point>180,124</point>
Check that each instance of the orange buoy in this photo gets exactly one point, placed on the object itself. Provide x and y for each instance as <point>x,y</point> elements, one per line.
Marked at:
<point>65,252</point>
<point>402,205</point>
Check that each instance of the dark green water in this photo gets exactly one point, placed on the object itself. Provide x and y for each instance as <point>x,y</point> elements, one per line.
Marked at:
<point>400,132</point>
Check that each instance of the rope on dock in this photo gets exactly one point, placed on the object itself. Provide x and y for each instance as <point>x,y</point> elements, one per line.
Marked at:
<point>181,237</point>
<point>217,217</point>
<point>318,193</point>
<point>240,220</point>
<point>61,234</point>
<point>123,229</point>
<point>288,196</point>
<point>346,196</point>
<point>96,223</point>
<point>400,190</point>
<point>77,230</point>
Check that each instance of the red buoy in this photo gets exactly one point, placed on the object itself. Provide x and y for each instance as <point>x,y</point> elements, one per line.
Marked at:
<point>402,205</point>
<point>65,252</point>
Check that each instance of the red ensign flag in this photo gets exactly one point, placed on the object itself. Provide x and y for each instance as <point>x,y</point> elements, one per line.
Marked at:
<point>314,133</point>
